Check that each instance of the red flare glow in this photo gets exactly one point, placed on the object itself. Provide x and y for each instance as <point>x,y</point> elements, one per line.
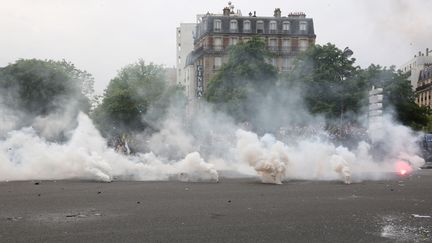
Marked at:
<point>403,168</point>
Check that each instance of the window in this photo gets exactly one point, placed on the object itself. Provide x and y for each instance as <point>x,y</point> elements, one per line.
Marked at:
<point>233,41</point>
<point>286,45</point>
<point>287,64</point>
<point>274,62</point>
<point>233,26</point>
<point>246,26</point>
<point>260,26</point>
<point>304,44</point>
<point>273,26</point>
<point>286,26</point>
<point>217,62</point>
<point>303,25</point>
<point>217,25</point>
<point>217,43</point>
<point>273,46</point>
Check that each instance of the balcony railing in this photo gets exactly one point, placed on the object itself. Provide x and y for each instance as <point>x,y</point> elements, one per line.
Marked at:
<point>218,47</point>
<point>286,49</point>
<point>273,48</point>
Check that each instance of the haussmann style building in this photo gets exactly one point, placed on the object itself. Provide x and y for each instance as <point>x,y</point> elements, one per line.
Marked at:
<point>424,88</point>
<point>419,70</point>
<point>285,37</point>
<point>416,65</point>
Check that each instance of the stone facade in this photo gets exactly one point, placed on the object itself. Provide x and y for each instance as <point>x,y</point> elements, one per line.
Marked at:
<point>285,37</point>
<point>424,88</point>
<point>184,45</point>
<point>415,65</point>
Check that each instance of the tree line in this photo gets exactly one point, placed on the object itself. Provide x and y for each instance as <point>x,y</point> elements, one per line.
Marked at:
<point>330,82</point>
<point>137,98</point>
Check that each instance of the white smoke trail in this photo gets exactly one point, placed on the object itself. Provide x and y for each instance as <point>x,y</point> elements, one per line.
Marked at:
<point>317,159</point>
<point>275,161</point>
<point>25,155</point>
<point>268,158</point>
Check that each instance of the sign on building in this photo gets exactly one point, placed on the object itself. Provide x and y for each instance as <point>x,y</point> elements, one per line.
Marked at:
<point>200,81</point>
<point>375,108</point>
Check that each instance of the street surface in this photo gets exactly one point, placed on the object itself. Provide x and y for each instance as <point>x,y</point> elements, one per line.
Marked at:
<point>233,210</point>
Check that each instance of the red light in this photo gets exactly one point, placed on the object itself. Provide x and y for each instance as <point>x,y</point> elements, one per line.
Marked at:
<point>403,168</point>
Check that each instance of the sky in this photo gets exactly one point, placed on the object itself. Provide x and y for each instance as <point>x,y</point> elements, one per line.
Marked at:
<point>102,36</point>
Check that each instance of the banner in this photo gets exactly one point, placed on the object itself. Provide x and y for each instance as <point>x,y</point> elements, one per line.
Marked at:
<point>200,81</point>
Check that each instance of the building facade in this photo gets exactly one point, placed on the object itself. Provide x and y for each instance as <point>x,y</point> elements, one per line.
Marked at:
<point>184,46</point>
<point>285,37</point>
<point>424,88</point>
<point>416,65</point>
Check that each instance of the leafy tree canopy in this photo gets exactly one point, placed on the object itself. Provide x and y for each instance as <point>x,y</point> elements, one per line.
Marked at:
<point>246,75</point>
<point>136,98</point>
<point>398,95</point>
<point>329,80</point>
<point>39,87</point>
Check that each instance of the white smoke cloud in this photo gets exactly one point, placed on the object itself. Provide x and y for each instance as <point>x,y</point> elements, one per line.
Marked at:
<point>199,148</point>
<point>315,158</point>
<point>25,155</point>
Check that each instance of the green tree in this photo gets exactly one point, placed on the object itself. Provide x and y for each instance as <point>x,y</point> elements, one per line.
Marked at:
<point>328,77</point>
<point>246,75</point>
<point>39,87</point>
<point>134,100</point>
<point>398,95</point>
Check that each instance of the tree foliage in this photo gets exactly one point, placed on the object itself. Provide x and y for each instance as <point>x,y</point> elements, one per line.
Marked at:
<point>328,77</point>
<point>398,95</point>
<point>335,87</point>
<point>136,98</point>
<point>246,75</point>
<point>39,87</point>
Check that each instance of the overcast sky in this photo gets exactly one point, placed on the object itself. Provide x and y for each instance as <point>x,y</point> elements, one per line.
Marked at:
<point>101,36</point>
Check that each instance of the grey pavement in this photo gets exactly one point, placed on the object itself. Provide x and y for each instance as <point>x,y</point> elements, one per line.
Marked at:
<point>233,210</point>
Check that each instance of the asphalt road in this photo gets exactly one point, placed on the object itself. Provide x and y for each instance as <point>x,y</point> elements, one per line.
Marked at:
<point>234,210</point>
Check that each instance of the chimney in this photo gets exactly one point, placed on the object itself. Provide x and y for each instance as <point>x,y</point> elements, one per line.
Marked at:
<point>427,51</point>
<point>277,13</point>
<point>226,11</point>
<point>254,14</point>
<point>420,54</point>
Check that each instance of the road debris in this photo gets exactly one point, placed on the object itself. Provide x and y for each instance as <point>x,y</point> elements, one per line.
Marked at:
<point>420,216</point>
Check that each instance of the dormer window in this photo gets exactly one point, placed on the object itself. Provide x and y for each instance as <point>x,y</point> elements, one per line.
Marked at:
<point>286,26</point>
<point>273,26</point>
<point>205,25</point>
<point>260,27</point>
<point>246,26</point>
<point>217,25</point>
<point>303,25</point>
<point>233,26</point>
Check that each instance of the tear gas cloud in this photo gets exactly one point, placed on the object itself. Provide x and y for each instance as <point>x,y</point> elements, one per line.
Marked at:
<point>202,147</point>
